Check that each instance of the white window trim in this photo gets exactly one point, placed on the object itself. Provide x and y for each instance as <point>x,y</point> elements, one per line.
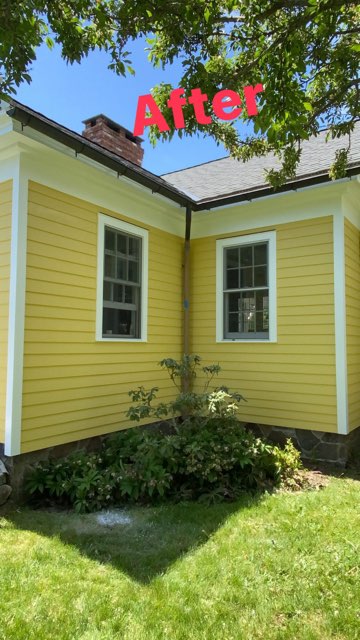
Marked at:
<point>108,221</point>
<point>270,237</point>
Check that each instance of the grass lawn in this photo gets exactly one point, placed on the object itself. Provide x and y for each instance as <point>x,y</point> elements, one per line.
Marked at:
<point>284,566</point>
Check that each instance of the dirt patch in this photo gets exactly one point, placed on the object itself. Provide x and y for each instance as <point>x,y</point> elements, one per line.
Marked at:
<point>313,479</point>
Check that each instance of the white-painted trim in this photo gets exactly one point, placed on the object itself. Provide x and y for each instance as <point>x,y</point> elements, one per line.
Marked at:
<point>270,237</point>
<point>144,235</point>
<point>33,135</point>
<point>94,184</point>
<point>340,324</point>
<point>278,195</point>
<point>350,204</point>
<point>74,178</point>
<point>8,168</point>
<point>16,325</point>
<point>290,207</point>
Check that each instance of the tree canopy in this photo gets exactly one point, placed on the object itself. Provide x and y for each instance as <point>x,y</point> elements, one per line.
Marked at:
<point>304,52</point>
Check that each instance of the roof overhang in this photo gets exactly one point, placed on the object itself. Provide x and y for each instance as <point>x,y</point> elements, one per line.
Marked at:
<point>80,145</point>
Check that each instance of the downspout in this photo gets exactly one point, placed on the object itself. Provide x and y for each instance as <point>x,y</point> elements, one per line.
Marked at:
<point>186,293</point>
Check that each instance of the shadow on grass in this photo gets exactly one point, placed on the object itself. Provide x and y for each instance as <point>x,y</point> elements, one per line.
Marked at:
<point>146,545</point>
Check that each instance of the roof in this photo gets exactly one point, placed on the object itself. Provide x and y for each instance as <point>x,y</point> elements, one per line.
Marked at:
<point>205,186</point>
<point>226,177</point>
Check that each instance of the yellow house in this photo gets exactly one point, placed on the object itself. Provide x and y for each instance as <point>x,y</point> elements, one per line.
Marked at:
<point>93,250</point>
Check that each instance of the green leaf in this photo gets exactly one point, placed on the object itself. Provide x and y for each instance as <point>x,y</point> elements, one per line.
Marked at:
<point>49,42</point>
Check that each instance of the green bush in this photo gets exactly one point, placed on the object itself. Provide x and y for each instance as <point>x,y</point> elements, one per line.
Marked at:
<point>212,461</point>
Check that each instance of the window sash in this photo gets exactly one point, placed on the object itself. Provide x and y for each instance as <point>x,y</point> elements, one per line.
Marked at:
<point>253,313</point>
<point>123,239</point>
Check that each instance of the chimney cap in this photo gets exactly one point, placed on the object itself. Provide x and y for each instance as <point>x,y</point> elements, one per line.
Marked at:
<point>113,125</point>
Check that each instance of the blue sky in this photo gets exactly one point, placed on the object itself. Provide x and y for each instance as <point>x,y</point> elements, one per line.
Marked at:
<point>69,94</point>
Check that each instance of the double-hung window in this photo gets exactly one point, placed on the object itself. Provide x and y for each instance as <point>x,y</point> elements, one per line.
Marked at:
<point>122,280</point>
<point>246,288</point>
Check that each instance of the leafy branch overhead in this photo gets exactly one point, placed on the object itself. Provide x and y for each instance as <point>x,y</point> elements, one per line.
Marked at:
<point>304,52</point>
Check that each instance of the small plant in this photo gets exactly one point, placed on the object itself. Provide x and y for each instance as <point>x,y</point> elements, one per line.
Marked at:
<point>188,404</point>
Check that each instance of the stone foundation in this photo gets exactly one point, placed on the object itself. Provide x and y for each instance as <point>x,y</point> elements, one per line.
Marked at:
<point>315,446</point>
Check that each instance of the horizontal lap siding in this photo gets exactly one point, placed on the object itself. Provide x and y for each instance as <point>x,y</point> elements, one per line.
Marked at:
<point>292,382</point>
<point>352,288</point>
<point>5,244</point>
<point>75,387</point>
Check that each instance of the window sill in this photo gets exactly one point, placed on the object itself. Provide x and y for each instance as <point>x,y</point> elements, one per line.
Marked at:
<point>111,340</point>
<point>242,341</point>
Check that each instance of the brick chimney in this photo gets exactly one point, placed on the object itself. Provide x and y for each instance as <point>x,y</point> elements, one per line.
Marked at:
<point>114,137</point>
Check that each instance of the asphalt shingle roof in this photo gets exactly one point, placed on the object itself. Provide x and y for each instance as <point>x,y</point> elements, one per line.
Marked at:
<point>227,176</point>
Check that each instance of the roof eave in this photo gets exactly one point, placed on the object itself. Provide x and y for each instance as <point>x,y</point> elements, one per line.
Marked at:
<point>217,203</point>
<point>90,150</point>
<point>145,178</point>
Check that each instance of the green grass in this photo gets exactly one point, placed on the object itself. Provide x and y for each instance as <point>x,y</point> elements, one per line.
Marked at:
<point>284,566</point>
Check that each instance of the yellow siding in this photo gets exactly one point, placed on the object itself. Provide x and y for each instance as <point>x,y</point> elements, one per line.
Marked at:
<point>352,289</point>
<point>75,387</point>
<point>5,242</point>
<point>292,382</point>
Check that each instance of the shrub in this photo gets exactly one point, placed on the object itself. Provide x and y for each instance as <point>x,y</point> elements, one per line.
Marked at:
<point>207,455</point>
<point>188,403</point>
<point>212,461</point>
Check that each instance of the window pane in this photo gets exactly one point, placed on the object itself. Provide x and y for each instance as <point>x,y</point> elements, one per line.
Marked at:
<point>119,322</point>
<point>247,302</point>
<point>262,307</point>
<point>109,240</point>
<point>260,253</point>
<point>107,291</point>
<point>118,292</point>
<point>246,277</point>
<point>247,324</point>
<point>121,269</point>
<point>233,301</point>
<point>130,293</point>
<point>246,256</point>
<point>110,266</point>
<point>260,325</point>
<point>260,276</point>
<point>133,271</point>
<point>234,323</point>
<point>232,258</point>
<point>232,279</point>
<point>247,305</point>
<point>134,247</point>
<point>121,244</point>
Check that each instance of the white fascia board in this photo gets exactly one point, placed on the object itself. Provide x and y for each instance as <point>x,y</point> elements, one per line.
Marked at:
<point>16,326</point>
<point>270,211</point>
<point>340,324</point>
